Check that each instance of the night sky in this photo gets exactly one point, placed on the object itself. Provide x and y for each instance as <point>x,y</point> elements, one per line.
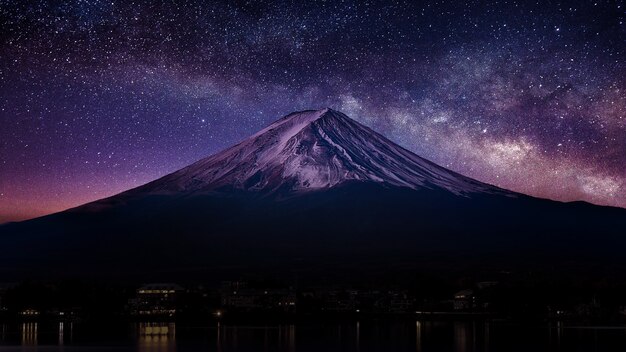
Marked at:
<point>100,96</point>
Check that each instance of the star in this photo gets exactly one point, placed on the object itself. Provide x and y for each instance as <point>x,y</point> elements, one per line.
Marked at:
<point>156,86</point>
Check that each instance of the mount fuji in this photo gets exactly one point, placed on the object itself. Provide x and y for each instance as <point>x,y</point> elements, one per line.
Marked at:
<point>313,150</point>
<point>314,192</point>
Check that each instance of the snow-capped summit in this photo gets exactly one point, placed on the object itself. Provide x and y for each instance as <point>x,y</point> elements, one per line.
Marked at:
<point>312,150</point>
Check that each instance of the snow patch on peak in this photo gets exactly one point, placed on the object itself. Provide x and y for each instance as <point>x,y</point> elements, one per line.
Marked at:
<point>295,121</point>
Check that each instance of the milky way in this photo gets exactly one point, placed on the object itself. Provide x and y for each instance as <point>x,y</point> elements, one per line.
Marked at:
<point>99,96</point>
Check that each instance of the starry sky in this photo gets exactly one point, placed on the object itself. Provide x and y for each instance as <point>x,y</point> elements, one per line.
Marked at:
<point>100,96</point>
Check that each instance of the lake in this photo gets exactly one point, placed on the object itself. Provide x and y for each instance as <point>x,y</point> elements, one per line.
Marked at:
<point>358,336</point>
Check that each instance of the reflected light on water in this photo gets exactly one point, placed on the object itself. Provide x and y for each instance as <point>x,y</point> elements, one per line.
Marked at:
<point>219,337</point>
<point>418,336</point>
<point>29,333</point>
<point>358,336</point>
<point>261,338</point>
<point>460,337</point>
<point>287,337</point>
<point>61,333</point>
<point>361,335</point>
<point>469,337</point>
<point>154,337</point>
<point>487,337</point>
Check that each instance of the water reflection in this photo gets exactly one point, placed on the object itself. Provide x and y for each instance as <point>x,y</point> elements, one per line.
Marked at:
<point>358,336</point>
<point>156,336</point>
<point>61,333</point>
<point>361,336</point>
<point>418,336</point>
<point>487,338</point>
<point>472,336</point>
<point>218,338</point>
<point>270,338</point>
<point>555,338</point>
<point>460,337</point>
<point>29,333</point>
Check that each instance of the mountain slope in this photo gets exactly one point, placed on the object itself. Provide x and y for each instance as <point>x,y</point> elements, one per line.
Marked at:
<point>313,150</point>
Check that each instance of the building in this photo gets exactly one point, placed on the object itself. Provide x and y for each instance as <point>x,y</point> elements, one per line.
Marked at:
<point>464,300</point>
<point>400,302</point>
<point>237,295</point>
<point>340,300</point>
<point>156,300</point>
<point>4,287</point>
<point>29,313</point>
<point>394,302</point>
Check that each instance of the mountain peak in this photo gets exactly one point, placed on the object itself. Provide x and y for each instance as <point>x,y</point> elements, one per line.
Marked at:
<point>298,119</point>
<point>311,150</point>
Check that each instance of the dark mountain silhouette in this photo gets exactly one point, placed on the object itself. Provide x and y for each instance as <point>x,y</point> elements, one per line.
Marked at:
<point>314,194</point>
